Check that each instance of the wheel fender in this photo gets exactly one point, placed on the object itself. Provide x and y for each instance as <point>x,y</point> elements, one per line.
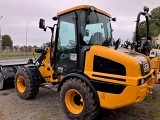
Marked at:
<point>82,77</point>
<point>33,73</point>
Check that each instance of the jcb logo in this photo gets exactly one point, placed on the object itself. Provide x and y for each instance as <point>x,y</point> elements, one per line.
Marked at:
<point>146,66</point>
<point>60,69</point>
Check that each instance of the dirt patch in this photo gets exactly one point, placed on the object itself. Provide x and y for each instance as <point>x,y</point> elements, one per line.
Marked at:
<point>6,93</point>
<point>46,106</point>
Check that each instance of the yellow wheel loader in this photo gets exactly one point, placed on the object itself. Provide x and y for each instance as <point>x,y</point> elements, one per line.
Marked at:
<point>155,63</point>
<point>89,71</point>
<point>155,59</point>
<point>146,44</point>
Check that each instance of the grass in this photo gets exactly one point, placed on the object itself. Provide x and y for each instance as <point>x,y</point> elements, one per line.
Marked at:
<point>149,108</point>
<point>16,55</point>
<point>154,103</point>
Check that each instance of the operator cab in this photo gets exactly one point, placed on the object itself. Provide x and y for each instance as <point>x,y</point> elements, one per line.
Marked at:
<point>79,28</point>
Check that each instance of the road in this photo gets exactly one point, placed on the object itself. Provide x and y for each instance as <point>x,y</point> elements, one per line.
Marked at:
<point>15,61</point>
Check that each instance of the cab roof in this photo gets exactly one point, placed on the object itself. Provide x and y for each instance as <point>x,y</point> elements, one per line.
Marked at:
<point>82,7</point>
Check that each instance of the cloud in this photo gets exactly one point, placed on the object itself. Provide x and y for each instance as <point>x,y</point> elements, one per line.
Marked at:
<point>16,13</point>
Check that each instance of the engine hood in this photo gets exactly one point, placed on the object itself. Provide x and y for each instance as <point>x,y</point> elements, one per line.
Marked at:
<point>142,59</point>
<point>138,56</point>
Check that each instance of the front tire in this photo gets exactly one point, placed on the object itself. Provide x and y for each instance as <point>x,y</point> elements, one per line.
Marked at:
<point>78,100</point>
<point>24,86</point>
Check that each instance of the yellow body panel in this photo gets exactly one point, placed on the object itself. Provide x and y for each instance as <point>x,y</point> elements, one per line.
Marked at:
<point>82,7</point>
<point>155,64</point>
<point>131,64</point>
<point>46,69</point>
<point>130,95</point>
<point>129,80</point>
<point>132,92</point>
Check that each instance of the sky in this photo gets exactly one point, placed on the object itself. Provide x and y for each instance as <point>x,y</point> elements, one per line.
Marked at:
<point>18,14</point>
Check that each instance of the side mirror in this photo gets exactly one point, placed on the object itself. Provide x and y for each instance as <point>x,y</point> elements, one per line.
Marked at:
<point>42,24</point>
<point>114,19</point>
<point>55,18</point>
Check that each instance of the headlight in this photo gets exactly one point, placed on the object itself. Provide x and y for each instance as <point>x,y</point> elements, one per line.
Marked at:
<point>141,82</point>
<point>144,80</point>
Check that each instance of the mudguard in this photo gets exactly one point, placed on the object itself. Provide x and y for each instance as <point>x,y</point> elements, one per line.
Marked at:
<point>33,73</point>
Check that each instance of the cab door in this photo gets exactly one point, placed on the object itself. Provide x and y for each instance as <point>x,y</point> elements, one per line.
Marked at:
<point>66,44</point>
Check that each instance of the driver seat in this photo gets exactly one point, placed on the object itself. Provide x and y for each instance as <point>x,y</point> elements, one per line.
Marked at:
<point>96,39</point>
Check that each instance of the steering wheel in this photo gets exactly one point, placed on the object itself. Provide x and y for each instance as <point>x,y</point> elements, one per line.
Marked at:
<point>96,38</point>
<point>63,56</point>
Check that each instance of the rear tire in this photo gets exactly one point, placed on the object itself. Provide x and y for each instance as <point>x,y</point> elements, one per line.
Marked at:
<point>78,100</point>
<point>24,86</point>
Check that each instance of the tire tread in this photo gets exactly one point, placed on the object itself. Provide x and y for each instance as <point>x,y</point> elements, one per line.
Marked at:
<point>31,90</point>
<point>91,109</point>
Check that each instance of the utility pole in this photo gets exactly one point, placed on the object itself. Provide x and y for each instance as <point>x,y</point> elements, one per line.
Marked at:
<point>26,37</point>
<point>0,35</point>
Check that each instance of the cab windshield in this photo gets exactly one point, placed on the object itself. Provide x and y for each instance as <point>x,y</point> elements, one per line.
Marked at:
<point>95,28</point>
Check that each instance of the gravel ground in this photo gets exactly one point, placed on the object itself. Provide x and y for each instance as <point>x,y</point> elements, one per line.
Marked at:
<point>46,106</point>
